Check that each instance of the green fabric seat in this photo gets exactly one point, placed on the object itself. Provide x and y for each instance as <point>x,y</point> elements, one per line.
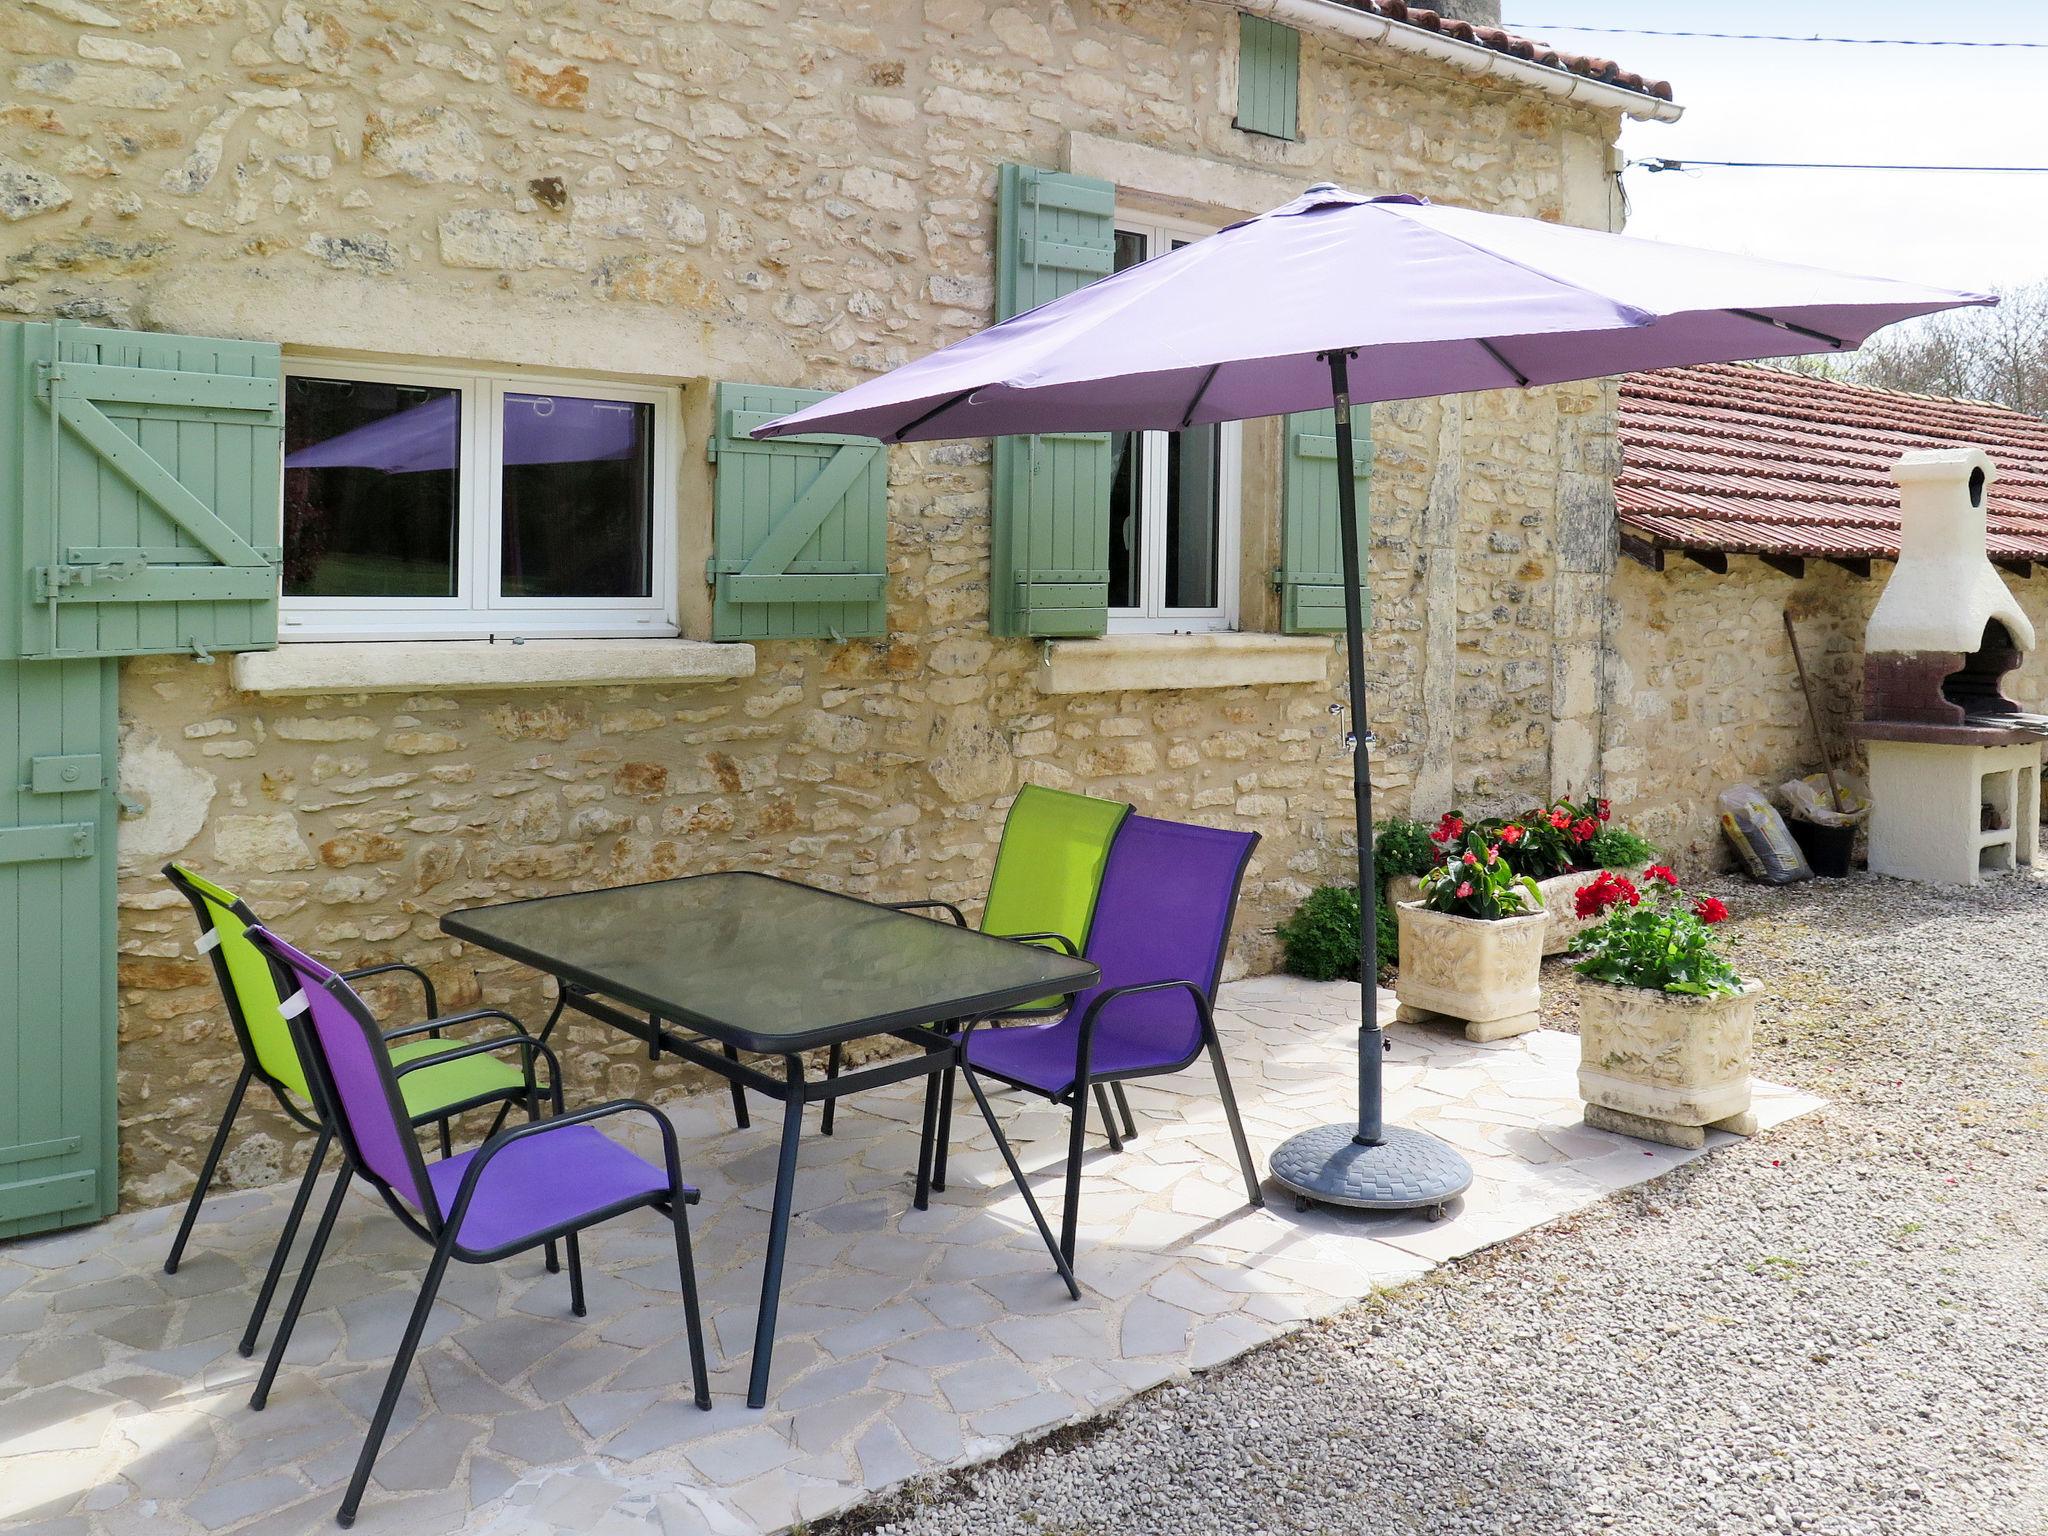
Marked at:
<point>1049,865</point>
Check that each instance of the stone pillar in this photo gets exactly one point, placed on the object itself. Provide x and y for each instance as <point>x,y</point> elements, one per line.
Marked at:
<point>1436,543</point>
<point>1587,460</point>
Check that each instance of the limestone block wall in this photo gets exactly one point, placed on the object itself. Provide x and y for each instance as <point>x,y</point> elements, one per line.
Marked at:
<point>775,191</point>
<point>1703,693</point>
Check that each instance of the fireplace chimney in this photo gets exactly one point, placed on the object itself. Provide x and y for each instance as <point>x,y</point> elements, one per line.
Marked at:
<point>1944,590</point>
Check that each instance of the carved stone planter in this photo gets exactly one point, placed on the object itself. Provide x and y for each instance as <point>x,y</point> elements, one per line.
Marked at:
<point>1560,902</point>
<point>1484,975</point>
<point>1663,1067</point>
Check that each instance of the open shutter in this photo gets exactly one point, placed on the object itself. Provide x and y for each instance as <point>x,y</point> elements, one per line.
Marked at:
<point>1049,513</point>
<point>1311,570</point>
<point>1268,77</point>
<point>801,525</point>
<point>145,497</point>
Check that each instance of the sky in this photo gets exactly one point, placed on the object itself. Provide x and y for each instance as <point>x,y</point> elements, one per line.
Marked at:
<point>1835,102</point>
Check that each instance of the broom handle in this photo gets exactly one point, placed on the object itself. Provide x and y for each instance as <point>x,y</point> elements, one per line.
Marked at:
<point>1813,715</point>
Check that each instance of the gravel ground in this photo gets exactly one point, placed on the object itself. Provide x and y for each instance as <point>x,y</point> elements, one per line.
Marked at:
<point>1837,1328</point>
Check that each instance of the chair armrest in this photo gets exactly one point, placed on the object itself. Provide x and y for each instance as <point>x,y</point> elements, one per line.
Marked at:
<point>426,982</point>
<point>435,1025</point>
<point>1103,1000</point>
<point>1066,944</point>
<point>947,907</point>
<point>498,1143</point>
<point>528,1048</point>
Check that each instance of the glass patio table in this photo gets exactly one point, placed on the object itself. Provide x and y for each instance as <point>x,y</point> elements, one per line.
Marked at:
<point>752,963</point>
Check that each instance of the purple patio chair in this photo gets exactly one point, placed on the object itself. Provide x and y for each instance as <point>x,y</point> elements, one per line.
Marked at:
<point>1162,928</point>
<point>521,1189</point>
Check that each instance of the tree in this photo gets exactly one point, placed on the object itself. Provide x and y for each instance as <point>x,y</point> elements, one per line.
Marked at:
<point>1998,354</point>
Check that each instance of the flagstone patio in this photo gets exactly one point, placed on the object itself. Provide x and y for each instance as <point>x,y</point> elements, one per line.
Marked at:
<point>911,1341</point>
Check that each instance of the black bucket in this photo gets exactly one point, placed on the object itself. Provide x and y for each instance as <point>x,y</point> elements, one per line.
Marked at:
<point>1827,849</point>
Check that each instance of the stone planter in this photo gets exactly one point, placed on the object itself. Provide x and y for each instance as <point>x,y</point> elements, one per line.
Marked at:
<point>1560,902</point>
<point>1485,975</point>
<point>1663,1067</point>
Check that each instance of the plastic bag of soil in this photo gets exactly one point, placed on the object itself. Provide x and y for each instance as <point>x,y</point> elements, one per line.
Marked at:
<point>1760,837</point>
<point>1810,799</point>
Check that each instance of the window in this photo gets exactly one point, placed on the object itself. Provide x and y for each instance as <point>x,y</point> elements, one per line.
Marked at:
<point>1173,503</point>
<point>421,504</point>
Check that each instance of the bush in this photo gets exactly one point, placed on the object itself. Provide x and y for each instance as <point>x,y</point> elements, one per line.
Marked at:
<point>1321,940</point>
<point>1612,848</point>
<point>1403,847</point>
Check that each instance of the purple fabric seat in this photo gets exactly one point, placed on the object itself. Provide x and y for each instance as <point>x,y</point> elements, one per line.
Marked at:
<point>1162,929</point>
<point>543,1181</point>
<point>523,1188</point>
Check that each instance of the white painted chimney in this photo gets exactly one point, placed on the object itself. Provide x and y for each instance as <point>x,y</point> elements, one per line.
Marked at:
<point>1945,588</point>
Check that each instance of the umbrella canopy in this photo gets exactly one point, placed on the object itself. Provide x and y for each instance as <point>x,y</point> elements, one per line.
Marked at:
<point>1336,298</point>
<point>539,429</point>
<point>1434,300</point>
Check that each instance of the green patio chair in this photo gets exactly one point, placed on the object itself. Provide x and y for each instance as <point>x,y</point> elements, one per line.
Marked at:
<point>250,990</point>
<point>1043,890</point>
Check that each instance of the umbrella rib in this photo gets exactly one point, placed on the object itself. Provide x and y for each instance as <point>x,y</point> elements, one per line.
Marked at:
<point>938,410</point>
<point>1194,404</point>
<point>1521,379</point>
<point>1786,325</point>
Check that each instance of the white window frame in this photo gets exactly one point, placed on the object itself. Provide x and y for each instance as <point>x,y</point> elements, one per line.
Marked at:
<point>478,610</point>
<point>1153,615</point>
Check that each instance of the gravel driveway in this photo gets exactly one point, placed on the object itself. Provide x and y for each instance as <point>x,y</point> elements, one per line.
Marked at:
<point>1841,1327</point>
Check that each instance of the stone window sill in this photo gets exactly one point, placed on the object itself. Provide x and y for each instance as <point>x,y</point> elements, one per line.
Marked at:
<point>316,667</point>
<point>1138,663</point>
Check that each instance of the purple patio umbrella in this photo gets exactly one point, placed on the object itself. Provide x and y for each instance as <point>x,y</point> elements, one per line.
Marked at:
<point>1274,315</point>
<point>539,429</point>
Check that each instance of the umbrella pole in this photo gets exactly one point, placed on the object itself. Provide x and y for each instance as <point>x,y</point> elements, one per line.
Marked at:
<point>1359,737</point>
<point>1367,1165</point>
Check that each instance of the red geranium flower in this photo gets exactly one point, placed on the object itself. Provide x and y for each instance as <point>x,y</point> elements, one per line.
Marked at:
<point>1584,831</point>
<point>1710,909</point>
<point>1560,819</point>
<point>1606,890</point>
<point>1661,872</point>
<point>1512,834</point>
<point>1448,830</point>
<point>1606,810</point>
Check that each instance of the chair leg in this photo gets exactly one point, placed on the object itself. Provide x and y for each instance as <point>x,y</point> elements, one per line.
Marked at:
<point>576,1278</point>
<point>1124,1108</point>
<point>833,1060</point>
<point>1116,1141</point>
<point>395,1382</point>
<point>447,1140</point>
<point>284,1244</point>
<point>1253,1194</point>
<point>739,1095</point>
<point>929,1147</point>
<point>693,1320</point>
<point>1023,1184</point>
<point>1077,1140</point>
<point>220,1141</point>
<point>290,1320</point>
<point>945,1127</point>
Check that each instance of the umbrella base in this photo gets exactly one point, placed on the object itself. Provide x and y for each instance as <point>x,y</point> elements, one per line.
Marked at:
<point>1405,1172</point>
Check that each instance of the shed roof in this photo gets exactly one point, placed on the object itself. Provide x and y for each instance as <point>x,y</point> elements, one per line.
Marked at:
<point>1738,458</point>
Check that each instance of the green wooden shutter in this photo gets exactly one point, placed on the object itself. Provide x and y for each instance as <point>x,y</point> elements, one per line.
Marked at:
<point>57,1013</point>
<point>142,509</point>
<point>1268,77</point>
<point>1049,508</point>
<point>1311,570</point>
<point>801,525</point>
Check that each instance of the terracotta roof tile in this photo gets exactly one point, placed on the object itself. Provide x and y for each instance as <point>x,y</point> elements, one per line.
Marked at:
<point>1752,460</point>
<point>1604,70</point>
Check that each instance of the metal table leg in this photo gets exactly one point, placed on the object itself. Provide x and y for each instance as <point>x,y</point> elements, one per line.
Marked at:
<point>778,1233</point>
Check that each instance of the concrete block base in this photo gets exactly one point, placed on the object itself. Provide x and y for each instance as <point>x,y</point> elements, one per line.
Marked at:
<point>1479,1030</point>
<point>1667,1133</point>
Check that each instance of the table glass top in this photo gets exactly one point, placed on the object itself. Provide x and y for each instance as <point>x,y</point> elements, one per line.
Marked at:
<point>766,963</point>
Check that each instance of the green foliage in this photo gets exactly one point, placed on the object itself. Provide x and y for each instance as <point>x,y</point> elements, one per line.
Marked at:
<point>1660,941</point>
<point>1402,847</point>
<point>1320,941</point>
<point>1612,848</point>
<point>1480,883</point>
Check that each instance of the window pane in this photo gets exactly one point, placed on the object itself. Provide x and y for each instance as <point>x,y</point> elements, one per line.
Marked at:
<point>1126,519</point>
<point>1193,507</point>
<point>578,497</point>
<point>371,488</point>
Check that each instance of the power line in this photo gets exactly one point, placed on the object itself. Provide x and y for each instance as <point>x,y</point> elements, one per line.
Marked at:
<point>1784,37</point>
<point>1669,163</point>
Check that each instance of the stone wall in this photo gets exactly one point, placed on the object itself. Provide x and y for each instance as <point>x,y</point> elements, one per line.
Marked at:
<point>1703,692</point>
<point>766,190</point>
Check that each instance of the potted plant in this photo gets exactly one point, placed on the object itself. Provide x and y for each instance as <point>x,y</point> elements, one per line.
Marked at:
<point>1472,945</point>
<point>1563,846</point>
<point>1665,1025</point>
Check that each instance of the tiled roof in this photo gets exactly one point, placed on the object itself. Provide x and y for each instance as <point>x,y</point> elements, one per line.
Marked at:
<point>1604,70</point>
<point>1745,459</point>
